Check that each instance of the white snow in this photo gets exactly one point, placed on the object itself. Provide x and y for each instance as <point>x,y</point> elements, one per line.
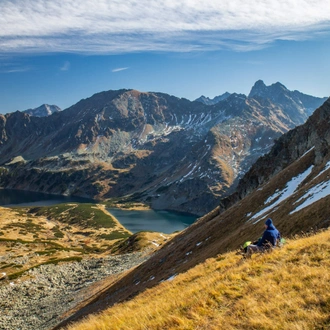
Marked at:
<point>154,243</point>
<point>307,152</point>
<point>199,243</point>
<point>188,253</point>
<point>171,278</point>
<point>271,198</point>
<point>285,193</point>
<point>313,195</point>
<point>326,167</point>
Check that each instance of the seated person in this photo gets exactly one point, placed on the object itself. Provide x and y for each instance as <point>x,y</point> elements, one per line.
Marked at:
<point>269,239</point>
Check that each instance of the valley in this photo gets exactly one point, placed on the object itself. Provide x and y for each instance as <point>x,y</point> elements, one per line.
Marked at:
<point>80,254</point>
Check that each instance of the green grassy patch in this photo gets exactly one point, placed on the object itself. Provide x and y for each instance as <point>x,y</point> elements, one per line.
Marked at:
<point>27,226</point>
<point>85,215</point>
<point>114,235</point>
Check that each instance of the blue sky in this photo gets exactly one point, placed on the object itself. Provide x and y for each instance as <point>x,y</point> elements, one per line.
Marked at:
<point>58,52</point>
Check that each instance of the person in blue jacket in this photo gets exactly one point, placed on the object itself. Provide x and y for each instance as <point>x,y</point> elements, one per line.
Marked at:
<point>269,239</point>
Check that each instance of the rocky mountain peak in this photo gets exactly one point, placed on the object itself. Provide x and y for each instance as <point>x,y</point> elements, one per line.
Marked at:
<point>215,100</point>
<point>258,88</point>
<point>44,110</point>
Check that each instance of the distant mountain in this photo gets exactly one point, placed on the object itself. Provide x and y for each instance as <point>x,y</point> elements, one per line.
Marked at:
<point>168,152</point>
<point>215,100</point>
<point>43,111</point>
<point>291,100</point>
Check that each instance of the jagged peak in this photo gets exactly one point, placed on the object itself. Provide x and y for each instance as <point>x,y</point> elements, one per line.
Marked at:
<point>208,101</point>
<point>258,88</point>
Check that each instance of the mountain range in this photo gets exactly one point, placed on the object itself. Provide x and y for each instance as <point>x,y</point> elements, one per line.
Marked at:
<point>167,152</point>
<point>290,184</point>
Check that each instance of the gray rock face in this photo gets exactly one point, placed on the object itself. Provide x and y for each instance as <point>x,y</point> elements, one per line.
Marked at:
<point>37,303</point>
<point>313,135</point>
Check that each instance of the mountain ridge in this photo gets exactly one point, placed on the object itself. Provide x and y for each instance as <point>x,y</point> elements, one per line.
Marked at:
<point>155,148</point>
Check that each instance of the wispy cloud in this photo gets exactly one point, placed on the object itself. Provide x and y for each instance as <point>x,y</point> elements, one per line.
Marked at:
<point>118,69</point>
<point>6,66</point>
<point>66,66</point>
<point>115,26</point>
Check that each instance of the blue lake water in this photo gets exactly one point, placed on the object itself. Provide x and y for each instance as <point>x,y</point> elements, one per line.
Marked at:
<point>14,197</point>
<point>151,220</point>
<point>135,221</point>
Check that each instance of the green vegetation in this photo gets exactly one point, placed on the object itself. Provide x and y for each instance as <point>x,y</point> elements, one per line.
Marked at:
<point>57,232</point>
<point>114,235</point>
<point>85,215</point>
<point>26,226</point>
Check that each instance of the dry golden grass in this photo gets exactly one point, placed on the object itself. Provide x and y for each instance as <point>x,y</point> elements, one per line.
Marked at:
<point>286,289</point>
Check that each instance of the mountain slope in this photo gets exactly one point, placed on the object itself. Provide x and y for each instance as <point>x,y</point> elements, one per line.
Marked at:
<point>284,290</point>
<point>149,147</point>
<point>290,184</point>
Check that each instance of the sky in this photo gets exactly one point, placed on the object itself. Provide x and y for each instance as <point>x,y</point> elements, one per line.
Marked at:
<point>59,52</point>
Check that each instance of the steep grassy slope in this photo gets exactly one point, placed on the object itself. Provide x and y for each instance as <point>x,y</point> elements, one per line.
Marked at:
<point>285,289</point>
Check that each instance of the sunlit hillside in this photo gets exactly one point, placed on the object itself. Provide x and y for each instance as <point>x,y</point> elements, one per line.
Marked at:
<point>288,288</point>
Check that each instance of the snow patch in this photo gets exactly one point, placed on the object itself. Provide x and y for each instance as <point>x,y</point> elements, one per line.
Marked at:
<point>326,167</point>
<point>313,195</point>
<point>307,152</point>
<point>280,196</point>
<point>171,278</point>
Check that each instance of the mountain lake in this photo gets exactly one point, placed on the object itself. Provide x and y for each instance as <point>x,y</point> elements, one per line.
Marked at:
<point>152,220</point>
<point>147,220</point>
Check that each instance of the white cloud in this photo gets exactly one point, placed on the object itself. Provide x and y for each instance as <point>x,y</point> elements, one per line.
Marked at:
<point>115,26</point>
<point>66,66</point>
<point>118,69</point>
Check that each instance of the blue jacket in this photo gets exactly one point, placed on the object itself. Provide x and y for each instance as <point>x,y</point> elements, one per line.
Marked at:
<point>271,235</point>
